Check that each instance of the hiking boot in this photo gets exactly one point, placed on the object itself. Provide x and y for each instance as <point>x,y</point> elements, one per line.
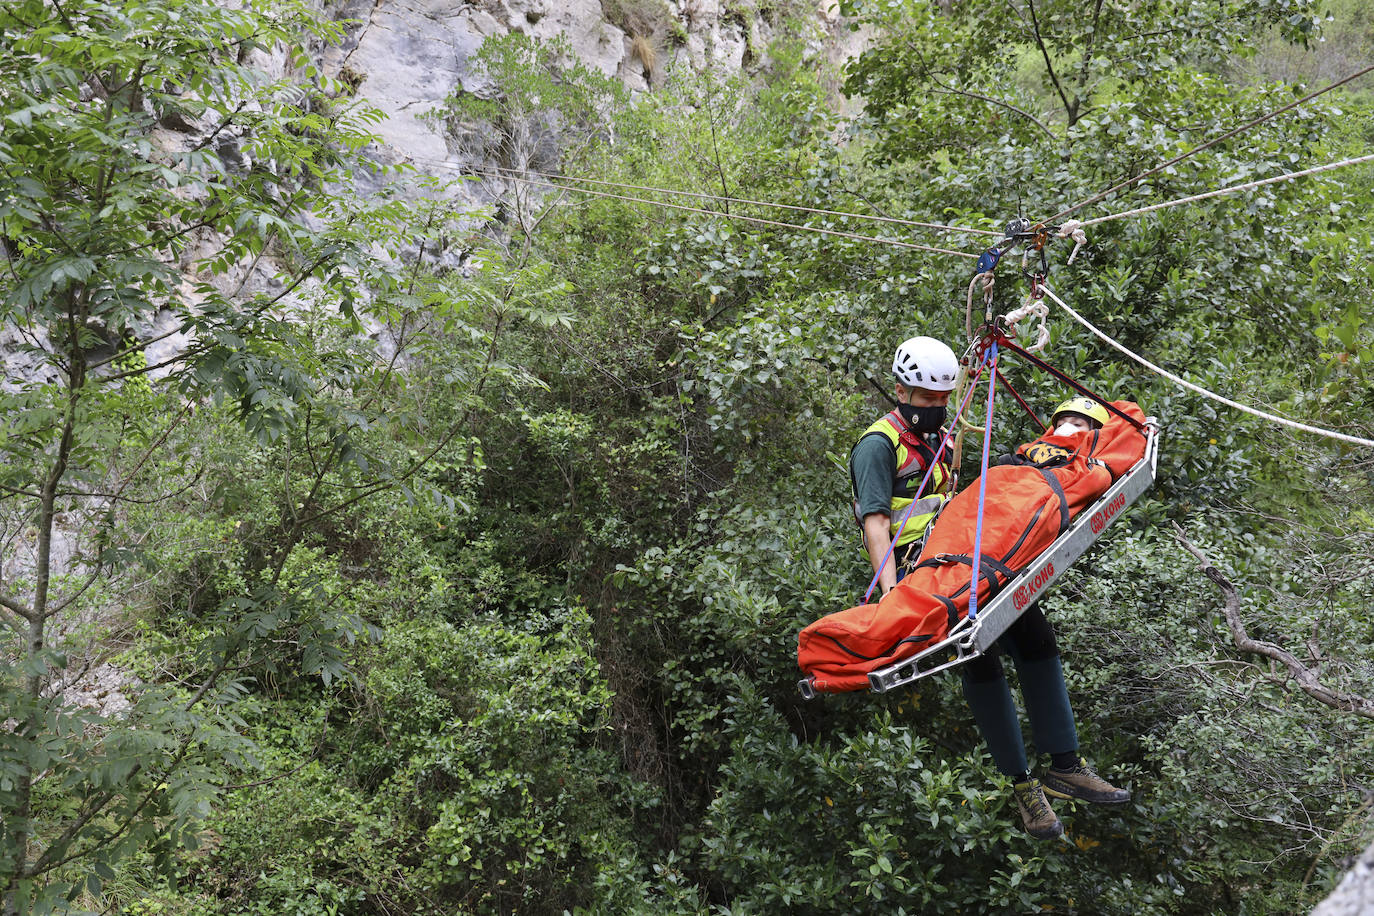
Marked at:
<point>1036,812</point>
<point>1081,782</point>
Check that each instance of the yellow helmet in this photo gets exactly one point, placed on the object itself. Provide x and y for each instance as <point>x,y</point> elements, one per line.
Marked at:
<point>1083,407</point>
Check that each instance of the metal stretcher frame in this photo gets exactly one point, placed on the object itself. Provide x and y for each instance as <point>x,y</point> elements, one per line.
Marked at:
<point>971,638</point>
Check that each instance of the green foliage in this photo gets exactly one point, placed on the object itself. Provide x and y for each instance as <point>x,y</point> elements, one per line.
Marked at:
<point>104,206</point>
<point>876,821</point>
<point>493,608</point>
<point>463,765</point>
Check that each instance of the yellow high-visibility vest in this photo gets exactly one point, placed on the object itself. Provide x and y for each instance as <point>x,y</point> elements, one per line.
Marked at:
<point>914,456</point>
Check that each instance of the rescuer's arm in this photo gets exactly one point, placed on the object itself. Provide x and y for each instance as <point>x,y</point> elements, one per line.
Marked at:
<point>877,540</point>
<point>872,467</point>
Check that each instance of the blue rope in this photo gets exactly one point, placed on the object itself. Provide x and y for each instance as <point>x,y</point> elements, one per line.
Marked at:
<point>982,489</point>
<point>954,424</point>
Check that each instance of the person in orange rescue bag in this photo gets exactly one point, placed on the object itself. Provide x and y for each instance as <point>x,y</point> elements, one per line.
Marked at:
<point>1030,499</point>
<point>1030,642</point>
<point>889,461</point>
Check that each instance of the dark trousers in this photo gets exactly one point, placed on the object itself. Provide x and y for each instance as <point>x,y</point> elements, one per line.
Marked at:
<point>1031,644</point>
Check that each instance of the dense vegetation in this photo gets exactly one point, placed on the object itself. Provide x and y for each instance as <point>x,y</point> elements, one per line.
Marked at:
<point>457,560</point>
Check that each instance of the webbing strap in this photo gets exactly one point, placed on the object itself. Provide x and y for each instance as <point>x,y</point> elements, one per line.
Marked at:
<point>950,608</point>
<point>982,486</point>
<point>996,564</point>
<point>1020,400</point>
<point>924,480</point>
<point>1058,488</point>
<point>1072,383</point>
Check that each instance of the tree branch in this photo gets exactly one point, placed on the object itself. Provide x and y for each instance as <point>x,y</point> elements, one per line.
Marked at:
<point>947,89</point>
<point>1306,679</point>
<point>16,607</point>
<point>1092,42</point>
<point>319,749</point>
<point>1070,108</point>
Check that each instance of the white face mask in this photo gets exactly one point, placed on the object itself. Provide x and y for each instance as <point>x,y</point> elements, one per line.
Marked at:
<point>1066,429</point>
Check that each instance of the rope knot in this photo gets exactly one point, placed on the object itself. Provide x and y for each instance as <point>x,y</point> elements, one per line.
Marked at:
<point>1073,229</point>
<point>1033,308</point>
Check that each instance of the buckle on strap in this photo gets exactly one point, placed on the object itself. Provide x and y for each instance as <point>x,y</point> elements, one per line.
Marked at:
<point>943,559</point>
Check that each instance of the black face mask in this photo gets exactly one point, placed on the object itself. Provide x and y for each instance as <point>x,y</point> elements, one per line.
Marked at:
<point>922,419</point>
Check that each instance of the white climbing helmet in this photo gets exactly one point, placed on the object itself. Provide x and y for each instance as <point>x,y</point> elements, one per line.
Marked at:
<point>924,362</point>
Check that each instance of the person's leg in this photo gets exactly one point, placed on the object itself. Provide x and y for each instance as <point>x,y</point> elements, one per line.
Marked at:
<point>1031,643</point>
<point>994,711</point>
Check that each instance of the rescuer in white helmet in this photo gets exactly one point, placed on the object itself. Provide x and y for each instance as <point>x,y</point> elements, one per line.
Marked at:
<point>888,463</point>
<point>886,467</point>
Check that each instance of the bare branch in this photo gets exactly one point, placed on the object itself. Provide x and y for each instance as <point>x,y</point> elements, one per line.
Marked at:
<point>319,749</point>
<point>61,605</point>
<point>16,491</point>
<point>17,607</point>
<point>1306,679</point>
<point>946,89</point>
<point>1070,108</point>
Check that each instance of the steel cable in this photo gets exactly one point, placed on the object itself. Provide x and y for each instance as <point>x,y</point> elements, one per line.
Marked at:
<point>728,216</point>
<point>1210,143</point>
<point>1231,189</point>
<point>552,176</point>
<point>509,173</point>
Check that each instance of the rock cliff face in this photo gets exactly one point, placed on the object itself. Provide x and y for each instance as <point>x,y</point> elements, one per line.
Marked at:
<point>406,56</point>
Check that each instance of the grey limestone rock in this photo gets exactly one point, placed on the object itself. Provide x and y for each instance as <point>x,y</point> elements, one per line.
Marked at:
<point>1354,896</point>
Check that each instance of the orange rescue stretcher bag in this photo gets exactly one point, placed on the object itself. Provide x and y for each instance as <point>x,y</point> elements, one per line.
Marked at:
<point>1027,507</point>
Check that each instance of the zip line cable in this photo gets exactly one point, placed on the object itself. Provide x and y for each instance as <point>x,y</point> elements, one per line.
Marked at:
<point>732,216</point>
<point>1210,143</point>
<point>510,173</point>
<point>1317,430</point>
<point>1230,189</point>
<point>553,176</point>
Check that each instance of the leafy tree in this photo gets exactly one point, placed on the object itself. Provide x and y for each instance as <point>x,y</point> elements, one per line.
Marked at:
<point>160,186</point>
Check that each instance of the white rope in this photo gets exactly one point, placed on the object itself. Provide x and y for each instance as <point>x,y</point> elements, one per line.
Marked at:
<point>1286,176</point>
<point>1203,391</point>
<point>988,281</point>
<point>1073,229</point>
<point>727,216</point>
<point>551,176</point>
